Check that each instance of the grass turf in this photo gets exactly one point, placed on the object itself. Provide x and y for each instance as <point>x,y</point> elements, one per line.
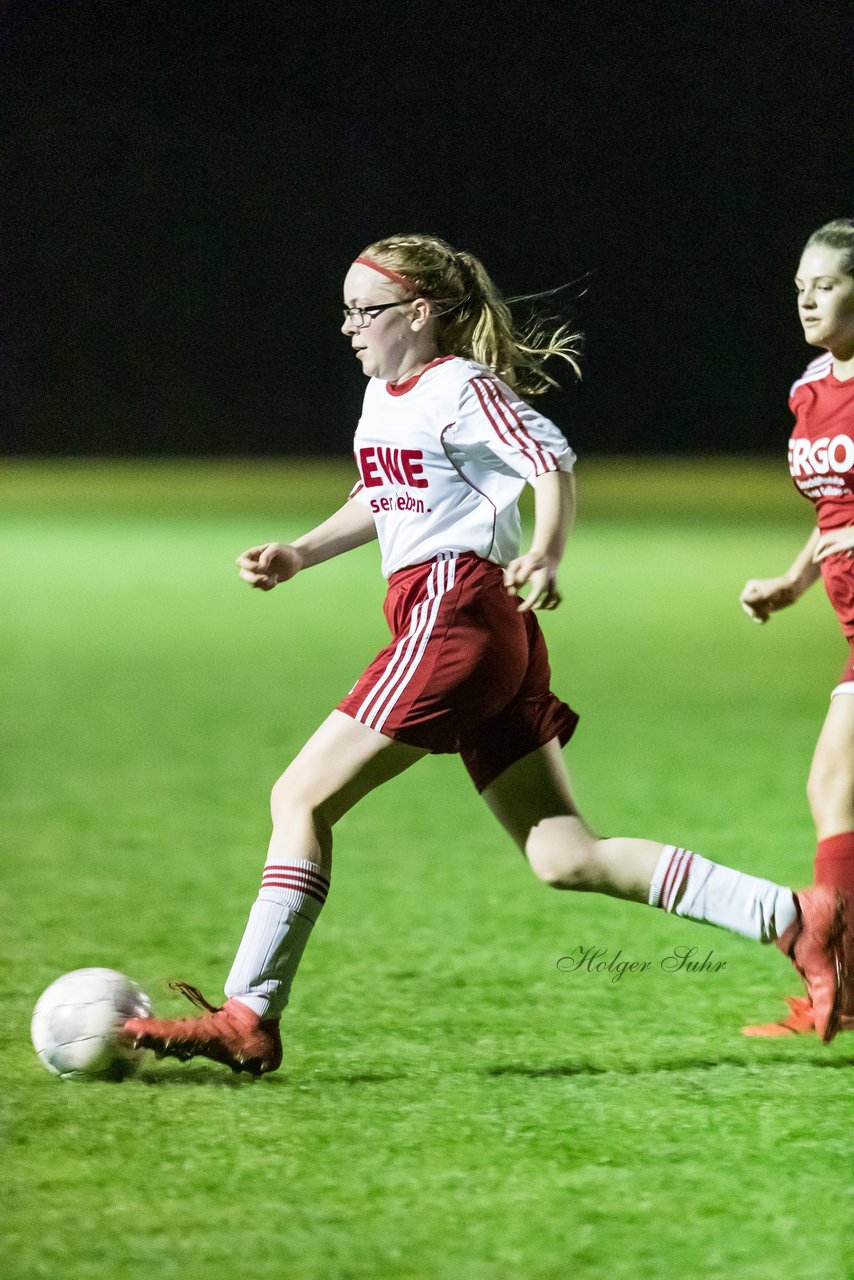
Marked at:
<point>452,1104</point>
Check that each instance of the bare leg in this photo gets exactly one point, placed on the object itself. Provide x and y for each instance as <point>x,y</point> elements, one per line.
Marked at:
<point>532,801</point>
<point>831,781</point>
<point>340,764</point>
<point>830,790</point>
<point>831,795</point>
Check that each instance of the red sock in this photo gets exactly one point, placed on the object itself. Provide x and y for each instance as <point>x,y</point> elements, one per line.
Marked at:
<point>834,866</point>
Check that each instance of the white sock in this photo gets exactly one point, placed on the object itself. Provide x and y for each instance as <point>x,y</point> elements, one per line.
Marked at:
<point>281,919</point>
<point>688,885</point>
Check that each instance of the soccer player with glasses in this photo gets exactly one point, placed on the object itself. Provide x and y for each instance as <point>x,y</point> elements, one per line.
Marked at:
<point>445,445</point>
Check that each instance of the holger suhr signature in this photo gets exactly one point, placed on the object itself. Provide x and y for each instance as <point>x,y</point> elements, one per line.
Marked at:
<point>598,960</point>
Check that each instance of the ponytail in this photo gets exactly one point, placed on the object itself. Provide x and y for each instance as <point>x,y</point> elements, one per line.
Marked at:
<point>473,319</point>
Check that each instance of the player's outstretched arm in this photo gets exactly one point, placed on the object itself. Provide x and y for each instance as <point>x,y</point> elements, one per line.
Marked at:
<point>760,597</point>
<point>554,512</point>
<point>267,565</point>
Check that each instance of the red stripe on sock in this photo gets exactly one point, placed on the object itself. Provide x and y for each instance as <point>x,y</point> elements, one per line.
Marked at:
<point>296,880</point>
<point>294,888</point>
<point>668,877</point>
<point>286,869</point>
<point>677,874</point>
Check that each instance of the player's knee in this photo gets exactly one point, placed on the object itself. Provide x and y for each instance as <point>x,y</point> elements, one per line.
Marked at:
<point>561,863</point>
<point>293,793</point>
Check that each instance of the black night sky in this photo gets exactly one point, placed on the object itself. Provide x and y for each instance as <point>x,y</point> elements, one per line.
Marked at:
<point>186,183</point>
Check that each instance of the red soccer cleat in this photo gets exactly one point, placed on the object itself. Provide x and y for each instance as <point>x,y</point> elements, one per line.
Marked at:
<point>814,945</point>
<point>800,1022</point>
<point>232,1034</point>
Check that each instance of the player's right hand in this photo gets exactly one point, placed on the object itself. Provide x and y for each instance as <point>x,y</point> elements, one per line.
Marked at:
<point>266,566</point>
<point>540,574</point>
<point>761,597</point>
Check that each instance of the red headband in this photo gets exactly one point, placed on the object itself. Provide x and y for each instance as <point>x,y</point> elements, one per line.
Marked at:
<point>391,275</point>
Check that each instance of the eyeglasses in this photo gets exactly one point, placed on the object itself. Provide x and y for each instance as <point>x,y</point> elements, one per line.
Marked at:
<point>361,317</point>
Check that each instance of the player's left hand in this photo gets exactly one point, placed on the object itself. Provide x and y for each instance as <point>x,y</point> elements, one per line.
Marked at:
<point>833,542</point>
<point>540,574</point>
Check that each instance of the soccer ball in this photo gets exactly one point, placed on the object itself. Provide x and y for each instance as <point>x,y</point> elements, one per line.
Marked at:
<point>78,1020</point>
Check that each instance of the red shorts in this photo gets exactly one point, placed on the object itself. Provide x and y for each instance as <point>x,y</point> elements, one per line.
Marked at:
<point>847,676</point>
<point>465,671</point>
<point>837,573</point>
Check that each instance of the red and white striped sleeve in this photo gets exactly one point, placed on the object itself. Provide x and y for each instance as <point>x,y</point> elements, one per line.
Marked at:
<point>491,416</point>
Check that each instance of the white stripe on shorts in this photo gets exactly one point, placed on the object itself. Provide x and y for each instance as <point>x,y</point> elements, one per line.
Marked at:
<point>410,648</point>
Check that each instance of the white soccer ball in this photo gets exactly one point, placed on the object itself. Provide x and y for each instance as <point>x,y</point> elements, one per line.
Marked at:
<point>77,1025</point>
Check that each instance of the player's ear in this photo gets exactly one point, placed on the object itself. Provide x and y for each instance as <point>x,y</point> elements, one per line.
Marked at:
<point>422,311</point>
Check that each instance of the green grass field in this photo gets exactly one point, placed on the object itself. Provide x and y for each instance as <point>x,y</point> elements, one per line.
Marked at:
<point>452,1105</point>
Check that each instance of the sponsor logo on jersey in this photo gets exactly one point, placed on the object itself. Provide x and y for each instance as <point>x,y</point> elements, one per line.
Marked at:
<point>378,466</point>
<point>403,502</point>
<point>821,457</point>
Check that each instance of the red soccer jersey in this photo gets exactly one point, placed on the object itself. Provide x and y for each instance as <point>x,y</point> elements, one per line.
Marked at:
<point>821,449</point>
<point>821,461</point>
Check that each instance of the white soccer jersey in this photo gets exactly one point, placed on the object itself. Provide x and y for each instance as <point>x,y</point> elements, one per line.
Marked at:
<point>443,458</point>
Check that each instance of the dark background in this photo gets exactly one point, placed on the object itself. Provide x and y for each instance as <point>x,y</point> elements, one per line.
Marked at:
<point>186,184</point>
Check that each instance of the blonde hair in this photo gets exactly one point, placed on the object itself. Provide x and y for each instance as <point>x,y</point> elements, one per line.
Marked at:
<point>838,234</point>
<point>474,320</point>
